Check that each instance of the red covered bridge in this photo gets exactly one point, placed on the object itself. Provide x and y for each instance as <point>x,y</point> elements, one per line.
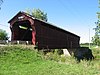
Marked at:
<point>25,27</point>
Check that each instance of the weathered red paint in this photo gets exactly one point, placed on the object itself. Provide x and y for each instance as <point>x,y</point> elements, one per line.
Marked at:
<point>33,37</point>
<point>43,34</point>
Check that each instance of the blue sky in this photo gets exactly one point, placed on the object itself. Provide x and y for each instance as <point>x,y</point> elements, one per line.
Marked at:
<point>76,16</point>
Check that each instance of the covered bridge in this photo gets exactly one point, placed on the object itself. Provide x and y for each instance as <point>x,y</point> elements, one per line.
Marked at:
<point>25,27</point>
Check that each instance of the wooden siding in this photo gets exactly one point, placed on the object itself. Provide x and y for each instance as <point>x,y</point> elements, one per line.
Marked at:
<point>43,34</point>
<point>52,37</point>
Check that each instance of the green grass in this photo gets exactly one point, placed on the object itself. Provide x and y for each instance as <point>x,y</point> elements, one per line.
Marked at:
<point>17,60</point>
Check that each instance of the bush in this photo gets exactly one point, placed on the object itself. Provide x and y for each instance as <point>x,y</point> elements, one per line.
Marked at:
<point>52,56</point>
<point>63,58</point>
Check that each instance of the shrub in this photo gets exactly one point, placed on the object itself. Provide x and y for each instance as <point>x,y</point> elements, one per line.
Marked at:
<point>63,58</point>
<point>53,56</point>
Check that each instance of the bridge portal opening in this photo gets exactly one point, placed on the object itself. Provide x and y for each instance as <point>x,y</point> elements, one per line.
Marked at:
<point>22,30</point>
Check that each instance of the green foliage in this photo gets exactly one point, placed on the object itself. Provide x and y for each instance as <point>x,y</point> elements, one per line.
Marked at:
<point>63,58</point>
<point>96,40</point>
<point>22,60</point>
<point>37,13</point>
<point>52,56</point>
<point>3,35</point>
<point>55,55</point>
<point>96,52</point>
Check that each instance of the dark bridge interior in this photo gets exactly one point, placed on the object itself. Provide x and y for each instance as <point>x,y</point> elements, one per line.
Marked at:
<point>22,30</point>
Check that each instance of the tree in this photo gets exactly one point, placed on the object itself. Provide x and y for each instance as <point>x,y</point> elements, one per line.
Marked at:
<point>1,1</point>
<point>96,38</point>
<point>37,13</point>
<point>3,35</point>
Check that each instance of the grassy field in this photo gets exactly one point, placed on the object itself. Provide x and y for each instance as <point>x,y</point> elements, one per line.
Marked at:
<point>19,60</point>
